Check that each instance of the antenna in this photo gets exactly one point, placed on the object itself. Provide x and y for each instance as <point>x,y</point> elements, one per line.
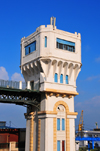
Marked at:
<point>53,21</point>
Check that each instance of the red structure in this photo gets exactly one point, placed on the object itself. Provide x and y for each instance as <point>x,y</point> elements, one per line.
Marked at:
<point>8,135</point>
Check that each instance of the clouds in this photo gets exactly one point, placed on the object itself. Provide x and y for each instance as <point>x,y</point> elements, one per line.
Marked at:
<point>93,77</point>
<point>3,74</point>
<point>15,77</point>
<point>91,103</point>
<point>91,111</point>
<point>11,112</point>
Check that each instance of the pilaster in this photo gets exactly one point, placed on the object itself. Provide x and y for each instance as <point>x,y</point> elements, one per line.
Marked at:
<point>29,131</point>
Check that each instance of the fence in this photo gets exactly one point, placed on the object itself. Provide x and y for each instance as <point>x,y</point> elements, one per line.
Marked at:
<point>11,84</point>
<point>16,85</point>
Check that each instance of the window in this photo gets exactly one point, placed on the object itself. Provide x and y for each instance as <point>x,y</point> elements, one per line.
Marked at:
<point>56,77</point>
<point>65,45</point>
<point>58,145</point>
<point>45,41</point>
<point>66,79</point>
<point>63,145</point>
<point>61,78</point>
<point>30,48</point>
<point>58,124</point>
<point>63,124</point>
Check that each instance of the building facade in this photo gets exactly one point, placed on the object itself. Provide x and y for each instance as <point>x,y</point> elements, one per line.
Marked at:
<point>50,63</point>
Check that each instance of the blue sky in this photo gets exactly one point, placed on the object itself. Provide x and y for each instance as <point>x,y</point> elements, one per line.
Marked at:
<point>21,18</point>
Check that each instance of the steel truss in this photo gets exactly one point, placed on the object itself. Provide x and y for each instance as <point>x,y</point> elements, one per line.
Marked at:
<point>20,97</point>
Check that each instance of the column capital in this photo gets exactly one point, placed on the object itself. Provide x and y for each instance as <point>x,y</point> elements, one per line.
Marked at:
<point>29,115</point>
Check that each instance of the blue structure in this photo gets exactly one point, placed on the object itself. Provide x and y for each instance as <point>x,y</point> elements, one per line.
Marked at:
<point>92,139</point>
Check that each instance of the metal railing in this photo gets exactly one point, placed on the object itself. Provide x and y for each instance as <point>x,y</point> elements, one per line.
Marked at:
<point>11,84</point>
<point>19,85</point>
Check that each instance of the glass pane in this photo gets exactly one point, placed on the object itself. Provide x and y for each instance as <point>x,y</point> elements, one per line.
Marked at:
<point>56,77</point>
<point>45,41</point>
<point>61,78</point>
<point>61,41</point>
<point>58,124</point>
<point>60,46</point>
<point>63,124</point>
<point>30,48</point>
<point>57,45</point>
<point>33,46</point>
<point>66,79</point>
<point>26,51</point>
<point>63,145</point>
<point>58,145</point>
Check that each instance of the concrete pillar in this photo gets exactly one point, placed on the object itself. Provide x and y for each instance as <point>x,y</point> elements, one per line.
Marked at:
<point>29,131</point>
<point>20,84</point>
<point>28,84</point>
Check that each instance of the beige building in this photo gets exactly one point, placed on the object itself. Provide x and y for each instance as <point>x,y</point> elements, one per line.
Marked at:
<point>50,63</point>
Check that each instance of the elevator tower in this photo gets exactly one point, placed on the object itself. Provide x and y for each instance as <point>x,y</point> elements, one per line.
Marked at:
<point>50,64</point>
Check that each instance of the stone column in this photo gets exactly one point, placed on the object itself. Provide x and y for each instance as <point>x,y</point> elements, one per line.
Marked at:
<point>29,131</point>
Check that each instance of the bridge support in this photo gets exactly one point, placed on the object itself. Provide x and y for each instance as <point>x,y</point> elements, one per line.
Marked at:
<point>31,142</point>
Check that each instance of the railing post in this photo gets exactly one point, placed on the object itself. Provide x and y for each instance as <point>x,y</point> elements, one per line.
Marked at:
<point>28,84</point>
<point>20,84</point>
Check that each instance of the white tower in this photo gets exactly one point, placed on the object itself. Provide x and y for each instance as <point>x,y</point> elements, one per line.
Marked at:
<point>50,63</point>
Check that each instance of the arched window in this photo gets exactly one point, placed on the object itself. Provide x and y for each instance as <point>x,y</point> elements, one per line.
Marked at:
<point>66,79</point>
<point>61,78</point>
<point>61,116</point>
<point>56,77</point>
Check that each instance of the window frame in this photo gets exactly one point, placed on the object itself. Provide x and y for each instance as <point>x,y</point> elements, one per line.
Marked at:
<point>56,77</point>
<point>63,124</point>
<point>58,124</point>
<point>45,43</point>
<point>58,145</point>
<point>63,145</point>
<point>30,48</point>
<point>65,45</point>
<point>66,79</point>
<point>61,78</point>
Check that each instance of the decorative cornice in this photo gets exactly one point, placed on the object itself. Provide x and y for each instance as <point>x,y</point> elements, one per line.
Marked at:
<point>29,115</point>
<point>72,113</point>
<point>64,93</point>
<point>55,112</point>
<point>47,112</point>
